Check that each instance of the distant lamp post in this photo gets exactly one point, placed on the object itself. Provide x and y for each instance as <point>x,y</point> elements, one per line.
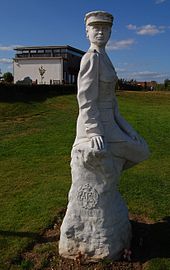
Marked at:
<point>0,75</point>
<point>42,71</point>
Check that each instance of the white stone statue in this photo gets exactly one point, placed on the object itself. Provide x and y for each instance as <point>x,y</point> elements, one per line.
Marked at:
<point>96,224</point>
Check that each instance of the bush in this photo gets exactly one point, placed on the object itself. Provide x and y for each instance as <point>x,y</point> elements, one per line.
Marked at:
<point>8,77</point>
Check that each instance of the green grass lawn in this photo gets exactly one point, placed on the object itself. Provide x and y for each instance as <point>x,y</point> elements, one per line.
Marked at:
<point>35,145</point>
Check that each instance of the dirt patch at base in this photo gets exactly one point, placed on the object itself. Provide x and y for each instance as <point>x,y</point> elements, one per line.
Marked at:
<point>147,239</point>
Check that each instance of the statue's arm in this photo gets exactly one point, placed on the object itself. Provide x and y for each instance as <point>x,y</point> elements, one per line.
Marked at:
<point>88,83</point>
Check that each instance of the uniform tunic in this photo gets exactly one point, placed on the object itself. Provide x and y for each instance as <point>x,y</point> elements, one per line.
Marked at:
<point>98,109</point>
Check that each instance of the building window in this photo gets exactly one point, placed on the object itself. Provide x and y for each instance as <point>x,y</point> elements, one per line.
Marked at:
<point>48,51</point>
<point>73,79</point>
<point>69,78</point>
<point>56,81</point>
<point>65,76</point>
<point>63,50</point>
<point>33,51</point>
<point>40,51</point>
<point>56,50</point>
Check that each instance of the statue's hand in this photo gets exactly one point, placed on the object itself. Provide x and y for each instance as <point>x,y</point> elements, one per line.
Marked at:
<point>97,143</point>
<point>135,136</point>
<point>93,155</point>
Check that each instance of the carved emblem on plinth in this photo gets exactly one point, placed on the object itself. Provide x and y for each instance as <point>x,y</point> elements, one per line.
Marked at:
<point>87,196</point>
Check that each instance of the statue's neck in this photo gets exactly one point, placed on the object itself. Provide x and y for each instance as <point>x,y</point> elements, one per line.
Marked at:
<point>97,48</point>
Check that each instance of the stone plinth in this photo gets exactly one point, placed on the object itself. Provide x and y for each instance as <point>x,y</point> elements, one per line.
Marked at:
<point>96,223</point>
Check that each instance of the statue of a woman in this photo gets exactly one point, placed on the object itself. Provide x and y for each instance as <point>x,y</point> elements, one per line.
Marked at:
<point>96,223</point>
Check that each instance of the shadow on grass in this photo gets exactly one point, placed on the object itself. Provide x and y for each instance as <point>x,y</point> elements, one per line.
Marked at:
<point>150,240</point>
<point>36,237</point>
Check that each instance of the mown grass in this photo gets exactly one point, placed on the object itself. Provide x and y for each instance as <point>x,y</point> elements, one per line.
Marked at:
<point>36,140</point>
<point>146,186</point>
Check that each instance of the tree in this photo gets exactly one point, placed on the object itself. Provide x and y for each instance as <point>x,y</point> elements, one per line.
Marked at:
<point>42,71</point>
<point>8,77</point>
<point>167,83</point>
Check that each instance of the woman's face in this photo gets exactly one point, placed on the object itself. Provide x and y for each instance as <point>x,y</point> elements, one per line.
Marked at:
<point>98,33</point>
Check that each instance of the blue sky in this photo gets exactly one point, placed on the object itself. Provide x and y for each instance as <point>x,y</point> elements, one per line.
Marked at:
<point>139,45</point>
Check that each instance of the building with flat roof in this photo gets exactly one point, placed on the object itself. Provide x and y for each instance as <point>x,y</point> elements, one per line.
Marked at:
<point>47,64</point>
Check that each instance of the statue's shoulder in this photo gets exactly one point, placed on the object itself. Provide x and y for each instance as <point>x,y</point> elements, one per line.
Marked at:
<point>89,56</point>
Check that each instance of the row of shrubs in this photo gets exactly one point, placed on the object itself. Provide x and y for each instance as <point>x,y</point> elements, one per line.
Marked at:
<point>15,92</point>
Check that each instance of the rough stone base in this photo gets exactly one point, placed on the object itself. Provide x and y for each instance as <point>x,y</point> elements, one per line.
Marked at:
<point>96,223</point>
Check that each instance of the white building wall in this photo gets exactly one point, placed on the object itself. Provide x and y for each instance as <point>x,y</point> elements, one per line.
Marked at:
<point>30,68</point>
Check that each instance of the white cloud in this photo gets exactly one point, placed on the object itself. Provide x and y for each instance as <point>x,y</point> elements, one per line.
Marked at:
<point>160,1</point>
<point>148,29</point>
<point>144,73</point>
<point>163,27</point>
<point>121,70</point>
<point>148,75</point>
<point>120,44</point>
<point>131,27</point>
<point>8,48</point>
<point>5,60</point>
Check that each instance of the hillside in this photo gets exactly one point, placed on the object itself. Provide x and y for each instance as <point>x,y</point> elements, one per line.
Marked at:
<point>35,145</point>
